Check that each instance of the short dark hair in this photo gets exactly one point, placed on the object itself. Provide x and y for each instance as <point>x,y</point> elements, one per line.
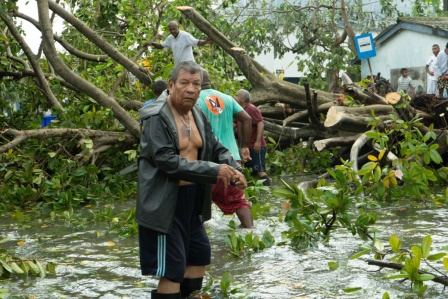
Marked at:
<point>187,66</point>
<point>159,87</point>
<point>446,45</point>
<point>402,70</point>
<point>436,45</point>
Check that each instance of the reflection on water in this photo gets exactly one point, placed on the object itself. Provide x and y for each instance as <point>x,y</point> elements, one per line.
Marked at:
<point>93,263</point>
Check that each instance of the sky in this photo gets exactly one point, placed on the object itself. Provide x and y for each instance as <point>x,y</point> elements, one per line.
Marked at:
<point>33,36</point>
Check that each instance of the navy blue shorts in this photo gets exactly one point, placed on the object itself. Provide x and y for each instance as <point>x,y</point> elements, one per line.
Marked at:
<point>167,255</point>
<point>258,162</point>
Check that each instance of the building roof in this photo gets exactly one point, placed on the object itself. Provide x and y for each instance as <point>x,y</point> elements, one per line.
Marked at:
<point>425,25</point>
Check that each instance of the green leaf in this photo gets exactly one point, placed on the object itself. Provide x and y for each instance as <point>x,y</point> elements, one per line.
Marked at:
<point>333,266</point>
<point>51,268</point>
<point>360,254</point>
<point>397,276</point>
<point>436,256</point>
<point>425,277</point>
<point>226,279</point>
<point>34,269</point>
<point>15,268</point>
<point>385,296</point>
<point>6,265</point>
<point>426,246</point>
<point>445,263</point>
<point>395,243</point>
<point>351,290</point>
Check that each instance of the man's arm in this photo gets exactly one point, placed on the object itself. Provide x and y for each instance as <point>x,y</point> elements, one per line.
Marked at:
<point>153,44</point>
<point>205,42</point>
<point>260,128</point>
<point>428,71</point>
<point>246,128</point>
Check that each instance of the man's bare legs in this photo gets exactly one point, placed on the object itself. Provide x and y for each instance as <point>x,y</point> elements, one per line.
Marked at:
<point>245,217</point>
<point>167,286</point>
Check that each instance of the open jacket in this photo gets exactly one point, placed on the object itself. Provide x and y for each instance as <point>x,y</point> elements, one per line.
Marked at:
<point>161,168</point>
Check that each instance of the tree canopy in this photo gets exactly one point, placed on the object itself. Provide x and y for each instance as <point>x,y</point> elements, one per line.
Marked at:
<point>96,84</point>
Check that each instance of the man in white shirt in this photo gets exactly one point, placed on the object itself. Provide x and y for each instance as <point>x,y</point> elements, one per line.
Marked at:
<point>430,69</point>
<point>180,42</point>
<point>442,71</point>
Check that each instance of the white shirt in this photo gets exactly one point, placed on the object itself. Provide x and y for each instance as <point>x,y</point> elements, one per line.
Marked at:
<point>442,66</point>
<point>182,46</point>
<point>431,63</point>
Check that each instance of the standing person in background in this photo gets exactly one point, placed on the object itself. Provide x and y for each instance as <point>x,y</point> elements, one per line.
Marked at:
<point>431,64</point>
<point>442,71</point>
<point>222,109</point>
<point>179,161</point>
<point>257,143</point>
<point>159,87</point>
<point>405,83</point>
<point>180,42</point>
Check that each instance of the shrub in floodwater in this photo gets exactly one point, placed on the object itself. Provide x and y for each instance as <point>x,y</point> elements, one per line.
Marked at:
<point>409,262</point>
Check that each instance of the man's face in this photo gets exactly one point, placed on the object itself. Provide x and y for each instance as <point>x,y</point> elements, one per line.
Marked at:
<point>174,29</point>
<point>185,91</point>
<point>239,98</point>
<point>435,50</point>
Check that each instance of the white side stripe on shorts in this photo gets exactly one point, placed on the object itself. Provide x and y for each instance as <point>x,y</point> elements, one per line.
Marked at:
<point>161,255</point>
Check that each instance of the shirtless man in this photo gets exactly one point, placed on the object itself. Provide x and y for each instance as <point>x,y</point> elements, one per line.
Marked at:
<point>180,158</point>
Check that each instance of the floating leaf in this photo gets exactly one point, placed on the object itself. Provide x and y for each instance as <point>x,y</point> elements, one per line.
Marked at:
<point>21,243</point>
<point>385,296</point>
<point>51,268</point>
<point>333,266</point>
<point>351,290</point>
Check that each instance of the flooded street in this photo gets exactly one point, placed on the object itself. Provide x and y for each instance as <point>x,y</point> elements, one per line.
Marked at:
<point>95,263</point>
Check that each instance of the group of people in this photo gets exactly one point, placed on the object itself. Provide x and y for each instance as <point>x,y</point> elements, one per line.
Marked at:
<point>190,157</point>
<point>437,74</point>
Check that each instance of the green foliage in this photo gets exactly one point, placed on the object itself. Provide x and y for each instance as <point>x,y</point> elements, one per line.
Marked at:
<point>11,265</point>
<point>410,260</point>
<point>298,158</point>
<point>240,245</point>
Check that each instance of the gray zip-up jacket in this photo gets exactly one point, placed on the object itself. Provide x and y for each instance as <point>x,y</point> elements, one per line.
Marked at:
<point>161,168</point>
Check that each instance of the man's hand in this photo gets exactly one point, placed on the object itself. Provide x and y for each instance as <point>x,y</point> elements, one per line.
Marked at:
<point>245,154</point>
<point>241,182</point>
<point>208,41</point>
<point>257,146</point>
<point>228,174</point>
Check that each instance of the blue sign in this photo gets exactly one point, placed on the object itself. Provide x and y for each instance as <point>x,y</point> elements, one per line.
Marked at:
<point>365,46</point>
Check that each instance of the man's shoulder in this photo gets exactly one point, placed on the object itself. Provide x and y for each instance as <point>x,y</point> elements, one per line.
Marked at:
<point>153,108</point>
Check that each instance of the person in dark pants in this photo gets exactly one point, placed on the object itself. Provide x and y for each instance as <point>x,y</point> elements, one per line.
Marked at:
<point>179,161</point>
<point>257,143</point>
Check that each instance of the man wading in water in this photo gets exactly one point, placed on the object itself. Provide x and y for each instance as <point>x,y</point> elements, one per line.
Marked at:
<point>180,158</point>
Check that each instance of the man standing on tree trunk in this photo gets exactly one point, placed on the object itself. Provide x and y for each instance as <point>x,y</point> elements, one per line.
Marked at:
<point>180,42</point>
<point>179,161</point>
